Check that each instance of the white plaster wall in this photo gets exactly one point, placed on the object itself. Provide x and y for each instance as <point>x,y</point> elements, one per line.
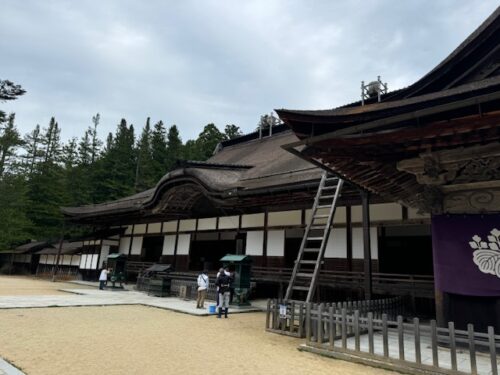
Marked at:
<point>154,227</point>
<point>229,222</point>
<point>357,243</point>
<point>104,255</point>
<point>336,247</point>
<point>283,218</point>
<point>187,225</point>
<point>207,223</point>
<point>276,243</point>
<point>124,245</point>
<point>252,220</point>
<point>170,226</point>
<point>169,244</point>
<point>139,228</point>
<point>255,243</point>
<point>75,261</point>
<point>136,246</point>
<point>183,244</point>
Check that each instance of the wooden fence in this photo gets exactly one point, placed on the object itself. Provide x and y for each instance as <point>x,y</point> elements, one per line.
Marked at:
<point>376,339</point>
<point>290,318</point>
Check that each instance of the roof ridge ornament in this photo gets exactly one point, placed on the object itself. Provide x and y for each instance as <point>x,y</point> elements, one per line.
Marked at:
<point>374,88</point>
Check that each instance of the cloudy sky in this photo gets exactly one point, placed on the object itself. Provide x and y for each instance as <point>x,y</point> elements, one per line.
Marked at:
<point>194,62</point>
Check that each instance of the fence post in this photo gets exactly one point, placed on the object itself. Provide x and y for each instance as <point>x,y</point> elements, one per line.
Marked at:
<point>268,313</point>
<point>472,349</point>
<point>292,317</point>
<point>453,346</point>
<point>401,338</point>
<point>493,353</point>
<point>308,323</point>
<point>416,330</point>
<point>301,320</point>
<point>356,331</point>
<point>370,332</point>
<point>385,335</point>
<point>319,335</point>
<point>344,328</point>
<point>332,331</point>
<point>435,358</point>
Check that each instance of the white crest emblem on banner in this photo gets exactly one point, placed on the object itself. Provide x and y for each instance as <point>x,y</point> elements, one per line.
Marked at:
<point>486,254</point>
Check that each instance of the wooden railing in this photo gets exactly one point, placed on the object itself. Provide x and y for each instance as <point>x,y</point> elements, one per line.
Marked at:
<point>376,339</point>
<point>382,283</point>
<point>289,318</point>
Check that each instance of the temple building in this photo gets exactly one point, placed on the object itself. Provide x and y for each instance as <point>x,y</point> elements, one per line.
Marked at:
<point>432,146</point>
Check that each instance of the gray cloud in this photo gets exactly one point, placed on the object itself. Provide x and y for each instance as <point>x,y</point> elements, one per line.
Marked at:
<point>195,62</point>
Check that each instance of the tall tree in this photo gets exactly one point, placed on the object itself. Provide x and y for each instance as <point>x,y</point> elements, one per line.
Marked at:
<point>9,91</point>
<point>174,148</point>
<point>159,151</point>
<point>9,141</point>
<point>207,141</point>
<point>232,131</point>
<point>144,176</point>
<point>34,151</point>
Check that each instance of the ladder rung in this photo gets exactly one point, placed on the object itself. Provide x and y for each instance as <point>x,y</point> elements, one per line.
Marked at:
<point>320,216</point>
<point>324,206</point>
<point>317,227</point>
<point>311,250</point>
<point>296,287</point>
<point>329,187</point>
<point>332,179</point>
<point>327,197</point>
<point>309,262</point>
<point>304,274</point>
<point>315,238</point>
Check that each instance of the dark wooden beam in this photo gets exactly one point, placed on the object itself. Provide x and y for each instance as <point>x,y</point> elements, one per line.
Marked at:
<point>365,197</point>
<point>348,217</point>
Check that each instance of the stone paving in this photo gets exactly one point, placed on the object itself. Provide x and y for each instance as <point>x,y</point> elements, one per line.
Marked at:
<point>7,369</point>
<point>96,297</point>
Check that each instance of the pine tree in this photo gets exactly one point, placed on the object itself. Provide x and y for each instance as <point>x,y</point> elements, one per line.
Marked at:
<point>34,151</point>
<point>174,148</point>
<point>159,151</point>
<point>207,141</point>
<point>232,131</point>
<point>10,140</point>
<point>144,177</point>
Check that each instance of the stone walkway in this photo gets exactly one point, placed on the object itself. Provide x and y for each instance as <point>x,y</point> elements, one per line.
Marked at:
<point>96,297</point>
<point>7,369</point>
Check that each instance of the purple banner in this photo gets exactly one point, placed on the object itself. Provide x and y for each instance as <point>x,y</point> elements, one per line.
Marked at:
<point>466,252</point>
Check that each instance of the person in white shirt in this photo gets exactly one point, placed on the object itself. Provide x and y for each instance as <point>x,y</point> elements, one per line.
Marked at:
<point>202,289</point>
<point>103,277</point>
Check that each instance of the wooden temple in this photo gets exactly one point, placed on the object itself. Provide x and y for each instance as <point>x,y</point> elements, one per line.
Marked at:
<point>432,146</point>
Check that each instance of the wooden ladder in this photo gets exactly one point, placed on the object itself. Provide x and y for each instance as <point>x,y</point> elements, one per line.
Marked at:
<point>312,249</point>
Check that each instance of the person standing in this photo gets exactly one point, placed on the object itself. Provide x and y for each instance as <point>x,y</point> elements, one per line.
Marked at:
<point>202,289</point>
<point>103,278</point>
<point>224,283</point>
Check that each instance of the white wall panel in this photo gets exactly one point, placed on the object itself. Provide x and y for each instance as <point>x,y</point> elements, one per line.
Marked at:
<point>276,243</point>
<point>229,222</point>
<point>154,227</point>
<point>104,255</point>
<point>128,230</point>
<point>386,212</point>
<point>187,225</point>
<point>207,223</point>
<point>170,226</point>
<point>136,246</point>
<point>93,264</point>
<point>124,245</point>
<point>83,261</point>
<point>255,243</point>
<point>252,220</point>
<point>357,243</point>
<point>139,229</point>
<point>336,247</point>
<point>183,244</point>
<point>169,244</point>
<point>283,218</point>
<point>75,260</point>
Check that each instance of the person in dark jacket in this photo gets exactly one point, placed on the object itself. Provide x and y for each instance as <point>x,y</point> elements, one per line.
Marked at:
<point>223,282</point>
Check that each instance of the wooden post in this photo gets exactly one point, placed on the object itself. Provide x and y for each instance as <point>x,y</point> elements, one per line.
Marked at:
<point>416,332</point>
<point>385,336</point>
<point>472,349</point>
<point>56,266</point>
<point>370,333</point>
<point>331,332</point>
<point>365,198</point>
<point>453,346</point>
<point>438,298</point>
<point>268,313</point>
<point>434,345</point>
<point>348,228</point>
<point>493,353</point>
<point>401,338</point>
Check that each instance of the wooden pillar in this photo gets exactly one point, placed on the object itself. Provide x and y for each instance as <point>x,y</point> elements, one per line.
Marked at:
<point>438,296</point>
<point>264,249</point>
<point>56,266</point>
<point>367,253</point>
<point>348,228</point>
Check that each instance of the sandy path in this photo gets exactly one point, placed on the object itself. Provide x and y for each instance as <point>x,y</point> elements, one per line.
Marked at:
<point>21,285</point>
<point>144,340</point>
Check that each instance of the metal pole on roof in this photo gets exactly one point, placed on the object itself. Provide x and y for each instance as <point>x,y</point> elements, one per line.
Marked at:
<point>271,122</point>
<point>56,266</point>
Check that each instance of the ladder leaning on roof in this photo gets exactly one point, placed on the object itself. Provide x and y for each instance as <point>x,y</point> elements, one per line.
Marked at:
<point>312,249</point>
